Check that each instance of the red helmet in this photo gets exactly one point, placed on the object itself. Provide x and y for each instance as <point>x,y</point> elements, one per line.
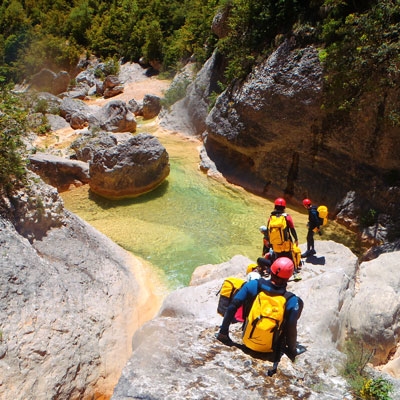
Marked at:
<point>280,202</point>
<point>306,202</point>
<point>283,267</point>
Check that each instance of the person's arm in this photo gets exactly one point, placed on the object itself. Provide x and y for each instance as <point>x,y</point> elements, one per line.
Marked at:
<point>294,307</point>
<point>292,229</point>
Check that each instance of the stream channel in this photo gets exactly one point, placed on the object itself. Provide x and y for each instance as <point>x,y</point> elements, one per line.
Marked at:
<point>190,219</point>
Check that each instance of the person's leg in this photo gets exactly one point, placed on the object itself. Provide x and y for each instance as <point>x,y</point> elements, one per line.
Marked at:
<point>310,240</point>
<point>290,329</point>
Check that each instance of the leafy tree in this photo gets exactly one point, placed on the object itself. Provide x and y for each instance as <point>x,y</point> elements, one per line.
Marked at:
<point>253,26</point>
<point>79,22</point>
<point>103,35</point>
<point>12,129</point>
<point>152,48</point>
<point>363,53</point>
<point>45,50</point>
<point>12,18</point>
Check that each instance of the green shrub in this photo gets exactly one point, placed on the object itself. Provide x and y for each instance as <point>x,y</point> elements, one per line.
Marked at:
<point>354,371</point>
<point>376,389</point>
<point>109,67</point>
<point>357,359</point>
<point>12,128</point>
<point>41,106</point>
<point>175,93</point>
<point>369,218</point>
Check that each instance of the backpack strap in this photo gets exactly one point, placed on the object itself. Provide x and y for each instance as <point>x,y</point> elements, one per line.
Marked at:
<point>288,295</point>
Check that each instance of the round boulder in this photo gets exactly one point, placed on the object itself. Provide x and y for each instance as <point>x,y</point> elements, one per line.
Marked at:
<point>130,168</point>
<point>151,106</point>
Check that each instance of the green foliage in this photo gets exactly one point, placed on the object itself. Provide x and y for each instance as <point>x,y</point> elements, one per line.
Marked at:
<point>175,93</point>
<point>253,26</point>
<point>376,389</point>
<point>355,372</point>
<point>152,48</point>
<point>44,126</point>
<point>41,106</point>
<point>12,129</point>
<point>369,218</point>
<point>214,95</point>
<point>357,359</point>
<point>79,23</point>
<point>363,52</point>
<point>359,42</point>
<point>37,34</point>
<point>109,67</point>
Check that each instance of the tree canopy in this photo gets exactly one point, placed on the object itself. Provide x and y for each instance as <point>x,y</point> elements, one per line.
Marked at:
<point>358,41</point>
<point>54,33</point>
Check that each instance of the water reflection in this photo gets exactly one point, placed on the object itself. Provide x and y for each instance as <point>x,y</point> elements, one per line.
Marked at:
<point>189,220</point>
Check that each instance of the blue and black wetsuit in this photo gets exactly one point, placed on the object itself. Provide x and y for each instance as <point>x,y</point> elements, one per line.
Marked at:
<point>313,222</point>
<point>246,296</point>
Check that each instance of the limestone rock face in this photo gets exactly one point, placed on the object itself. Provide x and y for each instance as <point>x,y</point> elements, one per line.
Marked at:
<point>189,114</point>
<point>180,345</point>
<point>219,24</point>
<point>373,313</point>
<point>257,130</point>
<point>70,107</point>
<point>36,209</point>
<point>89,142</point>
<point>131,168</point>
<point>69,305</point>
<point>115,116</point>
<point>272,135</point>
<point>112,86</point>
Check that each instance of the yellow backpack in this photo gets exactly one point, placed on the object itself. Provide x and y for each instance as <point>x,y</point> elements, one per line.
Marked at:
<point>323,214</point>
<point>296,255</point>
<point>263,324</point>
<point>278,233</point>
<point>229,288</point>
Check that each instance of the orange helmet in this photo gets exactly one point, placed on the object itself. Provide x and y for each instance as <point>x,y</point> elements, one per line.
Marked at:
<point>306,202</point>
<point>280,202</point>
<point>282,267</point>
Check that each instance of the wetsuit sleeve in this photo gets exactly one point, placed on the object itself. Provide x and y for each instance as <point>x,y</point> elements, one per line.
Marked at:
<point>294,307</point>
<point>292,229</point>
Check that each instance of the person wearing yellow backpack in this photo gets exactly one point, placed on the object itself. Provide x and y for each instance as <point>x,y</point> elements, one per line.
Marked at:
<point>313,225</point>
<point>280,230</point>
<point>283,338</point>
<point>281,233</point>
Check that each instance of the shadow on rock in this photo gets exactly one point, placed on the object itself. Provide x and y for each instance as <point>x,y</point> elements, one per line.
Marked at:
<point>316,260</point>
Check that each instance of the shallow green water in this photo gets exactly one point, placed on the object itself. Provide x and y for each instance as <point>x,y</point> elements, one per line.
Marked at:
<point>189,220</point>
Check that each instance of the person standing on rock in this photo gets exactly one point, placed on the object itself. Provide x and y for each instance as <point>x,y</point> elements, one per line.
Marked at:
<point>313,225</point>
<point>281,233</point>
<point>281,270</point>
<point>286,234</point>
